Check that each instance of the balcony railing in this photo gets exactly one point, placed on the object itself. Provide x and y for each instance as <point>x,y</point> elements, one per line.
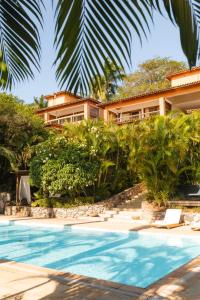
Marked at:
<point>189,111</point>
<point>140,116</point>
<point>67,119</point>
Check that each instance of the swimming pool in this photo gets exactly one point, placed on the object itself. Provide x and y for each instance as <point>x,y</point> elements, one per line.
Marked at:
<point>132,258</point>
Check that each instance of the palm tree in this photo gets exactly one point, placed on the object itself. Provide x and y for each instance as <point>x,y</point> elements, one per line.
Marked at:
<point>86,34</point>
<point>104,87</point>
<point>40,102</point>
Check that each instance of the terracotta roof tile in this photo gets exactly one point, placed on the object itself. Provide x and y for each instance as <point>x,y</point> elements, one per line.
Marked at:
<point>67,104</point>
<point>149,93</point>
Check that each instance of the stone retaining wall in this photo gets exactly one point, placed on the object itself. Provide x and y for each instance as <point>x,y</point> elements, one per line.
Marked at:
<point>190,217</point>
<point>74,212</point>
<point>4,198</point>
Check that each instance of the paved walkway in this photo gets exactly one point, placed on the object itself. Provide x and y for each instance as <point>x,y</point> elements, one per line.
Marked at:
<point>23,282</point>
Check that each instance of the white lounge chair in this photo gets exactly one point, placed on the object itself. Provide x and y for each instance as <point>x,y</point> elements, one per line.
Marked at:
<point>171,219</point>
<point>196,194</point>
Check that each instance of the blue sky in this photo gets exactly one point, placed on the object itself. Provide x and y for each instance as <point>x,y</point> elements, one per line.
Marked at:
<point>163,41</point>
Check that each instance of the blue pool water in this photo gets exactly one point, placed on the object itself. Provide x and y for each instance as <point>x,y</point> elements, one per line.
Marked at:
<point>128,258</point>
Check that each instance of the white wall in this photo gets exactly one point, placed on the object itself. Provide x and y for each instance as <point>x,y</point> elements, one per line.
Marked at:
<point>186,79</point>
<point>60,99</point>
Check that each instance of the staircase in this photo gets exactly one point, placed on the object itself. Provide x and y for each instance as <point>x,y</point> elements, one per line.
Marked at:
<point>128,210</point>
<point>122,207</point>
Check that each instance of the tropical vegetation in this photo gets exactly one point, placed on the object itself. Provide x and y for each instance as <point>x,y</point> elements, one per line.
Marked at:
<point>86,34</point>
<point>96,160</point>
<point>86,160</point>
<point>40,102</point>
<point>150,76</point>
<point>105,86</point>
<point>20,129</point>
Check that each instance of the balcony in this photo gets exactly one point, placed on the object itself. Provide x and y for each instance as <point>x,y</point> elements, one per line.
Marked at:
<point>189,111</point>
<point>66,119</point>
<point>123,119</point>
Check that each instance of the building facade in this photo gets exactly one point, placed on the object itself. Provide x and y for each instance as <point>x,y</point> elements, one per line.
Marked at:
<point>183,95</point>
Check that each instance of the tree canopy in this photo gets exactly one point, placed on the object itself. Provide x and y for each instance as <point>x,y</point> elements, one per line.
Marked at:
<point>20,129</point>
<point>150,76</point>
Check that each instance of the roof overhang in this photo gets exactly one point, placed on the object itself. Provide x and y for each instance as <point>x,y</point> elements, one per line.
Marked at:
<point>166,93</point>
<point>67,104</point>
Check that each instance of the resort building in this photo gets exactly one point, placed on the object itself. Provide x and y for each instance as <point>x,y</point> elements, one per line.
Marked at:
<point>66,107</point>
<point>182,95</point>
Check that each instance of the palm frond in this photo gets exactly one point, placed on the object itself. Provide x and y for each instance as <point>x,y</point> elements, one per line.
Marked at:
<point>186,15</point>
<point>10,156</point>
<point>89,32</point>
<point>19,40</point>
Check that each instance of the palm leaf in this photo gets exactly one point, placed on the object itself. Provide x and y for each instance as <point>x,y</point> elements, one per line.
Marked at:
<point>88,32</point>
<point>186,15</point>
<point>19,40</point>
<point>10,156</point>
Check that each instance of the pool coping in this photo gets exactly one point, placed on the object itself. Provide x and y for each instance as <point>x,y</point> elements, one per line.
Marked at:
<point>162,288</point>
<point>86,228</point>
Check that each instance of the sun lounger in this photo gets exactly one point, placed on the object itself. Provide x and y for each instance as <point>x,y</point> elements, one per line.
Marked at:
<point>171,219</point>
<point>195,195</point>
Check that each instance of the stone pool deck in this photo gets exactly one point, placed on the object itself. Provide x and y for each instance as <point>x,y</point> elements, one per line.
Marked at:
<point>24,282</point>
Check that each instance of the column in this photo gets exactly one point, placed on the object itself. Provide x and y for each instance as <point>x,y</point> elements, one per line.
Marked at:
<point>162,106</point>
<point>86,111</point>
<point>46,117</point>
<point>142,113</point>
<point>146,112</point>
<point>106,115</point>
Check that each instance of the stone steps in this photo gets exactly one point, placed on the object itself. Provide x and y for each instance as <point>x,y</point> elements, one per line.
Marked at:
<point>112,212</point>
<point>126,216</point>
<point>127,210</point>
<point>92,219</point>
<point>115,220</point>
<point>126,206</point>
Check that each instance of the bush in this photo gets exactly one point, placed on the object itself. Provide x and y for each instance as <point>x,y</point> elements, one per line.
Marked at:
<point>63,167</point>
<point>162,153</point>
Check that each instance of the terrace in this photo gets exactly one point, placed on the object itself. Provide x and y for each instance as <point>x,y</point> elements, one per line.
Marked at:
<point>135,115</point>
<point>130,110</point>
<point>75,117</point>
<point>184,98</point>
<point>64,107</point>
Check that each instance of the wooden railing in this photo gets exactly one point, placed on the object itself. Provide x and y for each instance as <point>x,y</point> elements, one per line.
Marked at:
<point>189,111</point>
<point>129,119</point>
<point>67,119</point>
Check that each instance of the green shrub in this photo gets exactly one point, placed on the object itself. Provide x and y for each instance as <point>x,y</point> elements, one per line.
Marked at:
<point>88,159</point>
<point>162,154</point>
<point>63,167</point>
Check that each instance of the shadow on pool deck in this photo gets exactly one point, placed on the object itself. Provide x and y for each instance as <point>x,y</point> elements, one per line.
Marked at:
<point>23,286</point>
<point>20,284</point>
